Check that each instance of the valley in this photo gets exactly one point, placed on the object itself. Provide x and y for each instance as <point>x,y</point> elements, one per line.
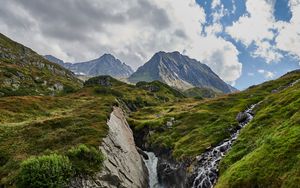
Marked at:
<point>105,133</point>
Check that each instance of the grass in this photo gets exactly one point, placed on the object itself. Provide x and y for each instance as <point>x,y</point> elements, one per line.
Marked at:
<point>267,153</point>
<point>200,124</point>
<point>72,123</point>
<point>49,124</point>
<point>23,72</point>
<point>200,93</point>
<point>32,126</point>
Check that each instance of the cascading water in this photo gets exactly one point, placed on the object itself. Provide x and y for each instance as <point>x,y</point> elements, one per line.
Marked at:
<point>151,164</point>
<point>207,171</point>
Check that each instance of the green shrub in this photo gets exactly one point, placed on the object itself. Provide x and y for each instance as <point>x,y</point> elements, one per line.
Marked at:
<point>45,171</point>
<point>85,160</point>
<point>107,91</point>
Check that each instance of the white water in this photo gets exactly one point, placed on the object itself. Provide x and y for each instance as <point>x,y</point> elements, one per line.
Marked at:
<point>207,171</point>
<point>151,164</point>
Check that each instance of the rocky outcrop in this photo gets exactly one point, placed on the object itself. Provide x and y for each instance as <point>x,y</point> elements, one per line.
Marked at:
<point>24,72</point>
<point>171,174</point>
<point>124,166</point>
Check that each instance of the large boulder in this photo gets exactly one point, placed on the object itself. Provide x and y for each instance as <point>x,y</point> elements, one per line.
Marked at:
<point>124,166</point>
<point>242,117</point>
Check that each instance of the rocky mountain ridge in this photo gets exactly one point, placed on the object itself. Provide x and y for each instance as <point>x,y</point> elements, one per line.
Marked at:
<point>181,72</point>
<point>107,64</point>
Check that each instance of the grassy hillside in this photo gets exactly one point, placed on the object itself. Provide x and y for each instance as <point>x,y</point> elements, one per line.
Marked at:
<point>267,151</point>
<point>24,72</point>
<point>200,93</point>
<point>43,125</point>
<point>48,117</point>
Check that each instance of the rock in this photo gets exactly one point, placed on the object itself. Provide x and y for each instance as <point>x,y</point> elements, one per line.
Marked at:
<point>169,124</point>
<point>104,65</point>
<point>171,174</point>
<point>58,87</point>
<point>124,166</point>
<point>142,153</point>
<point>242,117</point>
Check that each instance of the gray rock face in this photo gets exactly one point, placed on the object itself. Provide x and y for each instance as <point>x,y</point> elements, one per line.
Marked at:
<point>124,166</point>
<point>171,174</point>
<point>104,65</point>
<point>179,71</point>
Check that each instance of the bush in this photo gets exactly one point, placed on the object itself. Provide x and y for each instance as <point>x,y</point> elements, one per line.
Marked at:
<point>45,171</point>
<point>85,160</point>
<point>107,91</point>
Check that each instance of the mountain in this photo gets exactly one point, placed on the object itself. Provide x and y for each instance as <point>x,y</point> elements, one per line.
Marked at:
<point>54,60</point>
<point>107,64</point>
<point>24,72</point>
<point>244,139</point>
<point>179,71</point>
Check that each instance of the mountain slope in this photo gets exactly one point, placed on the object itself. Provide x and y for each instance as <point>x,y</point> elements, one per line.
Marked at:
<point>104,65</point>
<point>199,93</point>
<point>24,72</point>
<point>41,125</point>
<point>266,153</point>
<point>179,71</point>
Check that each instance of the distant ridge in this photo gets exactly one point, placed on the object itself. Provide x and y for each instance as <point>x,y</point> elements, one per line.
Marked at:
<point>107,64</point>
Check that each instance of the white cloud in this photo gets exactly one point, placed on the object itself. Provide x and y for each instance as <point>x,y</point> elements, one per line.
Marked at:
<point>267,74</point>
<point>255,25</point>
<point>215,4</point>
<point>269,52</point>
<point>288,38</point>
<point>250,74</point>
<point>132,31</point>
<point>259,27</point>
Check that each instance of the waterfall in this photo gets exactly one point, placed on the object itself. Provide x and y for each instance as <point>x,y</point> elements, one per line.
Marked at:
<point>208,162</point>
<point>151,164</point>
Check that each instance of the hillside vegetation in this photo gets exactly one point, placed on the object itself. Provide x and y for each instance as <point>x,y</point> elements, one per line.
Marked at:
<point>44,125</point>
<point>24,72</point>
<point>51,124</point>
<point>266,153</point>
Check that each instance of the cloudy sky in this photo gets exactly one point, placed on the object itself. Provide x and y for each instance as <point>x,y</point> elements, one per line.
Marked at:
<point>244,41</point>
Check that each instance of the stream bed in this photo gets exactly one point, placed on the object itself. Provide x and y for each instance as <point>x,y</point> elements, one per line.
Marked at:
<point>206,173</point>
<point>151,164</point>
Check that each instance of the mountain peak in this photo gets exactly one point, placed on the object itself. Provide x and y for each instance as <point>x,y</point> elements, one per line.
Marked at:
<point>163,53</point>
<point>54,59</point>
<point>106,64</point>
<point>108,56</point>
<point>179,71</point>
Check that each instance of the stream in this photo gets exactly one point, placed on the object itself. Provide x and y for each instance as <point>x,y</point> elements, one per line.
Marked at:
<point>208,162</point>
<point>206,170</point>
<point>151,164</point>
